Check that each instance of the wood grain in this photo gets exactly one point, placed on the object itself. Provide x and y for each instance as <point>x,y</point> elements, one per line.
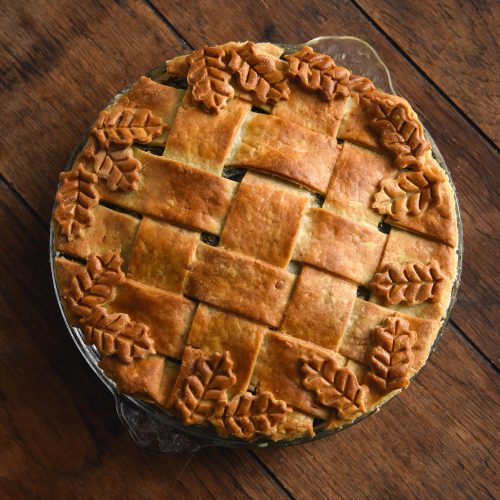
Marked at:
<point>476,312</point>
<point>63,61</point>
<point>59,434</point>
<point>455,44</point>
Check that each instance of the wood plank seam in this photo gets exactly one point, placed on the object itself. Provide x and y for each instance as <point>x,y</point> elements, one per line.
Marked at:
<point>22,200</point>
<point>270,473</point>
<point>474,347</point>
<point>169,25</point>
<point>438,89</point>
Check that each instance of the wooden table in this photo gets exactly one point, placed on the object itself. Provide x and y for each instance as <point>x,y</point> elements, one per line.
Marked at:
<point>59,434</point>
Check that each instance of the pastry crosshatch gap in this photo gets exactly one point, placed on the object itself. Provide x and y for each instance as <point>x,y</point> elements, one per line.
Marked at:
<point>235,174</point>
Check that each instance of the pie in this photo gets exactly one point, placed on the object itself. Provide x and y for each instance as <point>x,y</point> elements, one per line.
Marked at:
<point>259,243</point>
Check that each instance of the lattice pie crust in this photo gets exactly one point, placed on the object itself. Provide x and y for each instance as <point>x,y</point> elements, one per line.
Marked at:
<point>255,241</point>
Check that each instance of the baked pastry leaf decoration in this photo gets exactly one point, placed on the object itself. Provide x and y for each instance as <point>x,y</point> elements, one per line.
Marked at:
<point>391,357</point>
<point>116,165</point>
<point>257,73</point>
<point>116,333</point>
<point>122,127</point>
<point>399,134</point>
<point>76,198</point>
<point>208,379</point>
<point>209,76</point>
<point>412,283</point>
<point>94,285</point>
<point>360,84</point>
<point>335,387</point>
<point>409,194</point>
<point>247,415</point>
<point>319,72</point>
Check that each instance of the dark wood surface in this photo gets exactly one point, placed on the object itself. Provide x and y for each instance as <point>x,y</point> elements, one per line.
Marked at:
<point>59,434</point>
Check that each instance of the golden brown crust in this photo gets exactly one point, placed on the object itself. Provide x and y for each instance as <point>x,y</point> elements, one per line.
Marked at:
<point>422,202</point>
<point>202,381</point>
<point>217,331</point>
<point>161,254</point>
<point>278,147</point>
<point>108,152</point>
<point>358,339</point>
<point>278,370</point>
<point>177,193</point>
<point>64,270</point>
<point>167,315</point>
<point>264,220</point>
<point>356,123</point>
<point>403,247</point>
<point>306,110</point>
<point>297,425</point>
<point>339,245</point>
<point>150,378</point>
<point>240,284</point>
<point>162,100</point>
<point>111,231</point>
<point>210,135</point>
<point>355,180</point>
<point>320,308</point>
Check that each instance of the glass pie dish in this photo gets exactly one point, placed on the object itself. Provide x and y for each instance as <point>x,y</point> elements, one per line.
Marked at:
<point>150,426</point>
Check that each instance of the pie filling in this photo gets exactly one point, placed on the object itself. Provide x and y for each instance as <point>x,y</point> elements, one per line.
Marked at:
<point>259,242</point>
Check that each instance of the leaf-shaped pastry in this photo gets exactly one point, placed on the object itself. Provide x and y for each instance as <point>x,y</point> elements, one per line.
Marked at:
<point>116,164</point>
<point>391,357</point>
<point>246,415</point>
<point>257,73</point>
<point>209,76</point>
<point>360,84</point>
<point>116,333</point>
<point>412,283</point>
<point>94,285</point>
<point>399,134</point>
<point>76,199</point>
<point>122,127</point>
<point>409,194</point>
<point>319,72</point>
<point>335,387</point>
<point>205,379</point>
